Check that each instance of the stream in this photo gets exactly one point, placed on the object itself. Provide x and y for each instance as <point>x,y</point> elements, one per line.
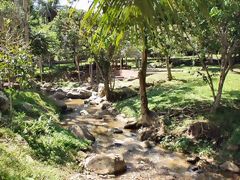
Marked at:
<point>142,162</point>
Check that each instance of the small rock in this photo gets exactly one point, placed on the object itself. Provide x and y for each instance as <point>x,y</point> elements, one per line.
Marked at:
<point>105,105</point>
<point>193,160</point>
<point>81,132</point>
<point>106,164</point>
<point>84,112</point>
<point>230,166</point>
<point>148,144</point>
<point>101,90</point>
<point>195,169</point>
<point>117,131</point>
<point>132,125</point>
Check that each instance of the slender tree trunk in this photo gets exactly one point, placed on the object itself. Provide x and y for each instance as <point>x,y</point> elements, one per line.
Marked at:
<point>26,9</point>
<point>217,100</point>
<point>169,73</point>
<point>142,90</point>
<point>121,64</point>
<point>78,69</point>
<point>107,89</point>
<point>91,76</point>
<point>41,68</point>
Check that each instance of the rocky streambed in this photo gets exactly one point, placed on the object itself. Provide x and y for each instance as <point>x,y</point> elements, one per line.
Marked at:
<point>118,153</point>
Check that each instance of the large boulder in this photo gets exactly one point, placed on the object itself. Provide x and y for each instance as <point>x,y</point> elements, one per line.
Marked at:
<point>106,164</point>
<point>101,90</point>
<point>230,166</point>
<point>4,102</point>
<point>81,132</point>
<point>59,95</point>
<point>79,94</point>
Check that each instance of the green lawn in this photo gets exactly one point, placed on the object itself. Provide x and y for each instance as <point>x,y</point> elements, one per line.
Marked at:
<point>188,90</point>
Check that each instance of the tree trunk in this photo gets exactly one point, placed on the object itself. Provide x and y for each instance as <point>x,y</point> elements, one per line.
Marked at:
<point>91,73</point>
<point>218,97</point>
<point>142,90</point>
<point>121,63</point>
<point>107,89</point>
<point>26,9</point>
<point>41,68</point>
<point>169,73</point>
<point>78,69</point>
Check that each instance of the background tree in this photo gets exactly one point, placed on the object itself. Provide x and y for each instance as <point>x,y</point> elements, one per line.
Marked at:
<point>216,25</point>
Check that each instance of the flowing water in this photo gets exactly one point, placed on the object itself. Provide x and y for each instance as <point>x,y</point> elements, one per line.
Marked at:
<point>142,162</point>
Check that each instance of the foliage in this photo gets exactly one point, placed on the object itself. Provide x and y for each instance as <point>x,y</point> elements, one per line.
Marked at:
<point>49,141</point>
<point>17,162</point>
<point>15,56</point>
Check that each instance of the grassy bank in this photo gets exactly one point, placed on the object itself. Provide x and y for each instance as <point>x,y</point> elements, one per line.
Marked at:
<point>187,100</point>
<point>33,144</point>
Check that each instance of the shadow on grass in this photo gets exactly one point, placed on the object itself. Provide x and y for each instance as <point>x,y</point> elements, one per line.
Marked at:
<point>161,97</point>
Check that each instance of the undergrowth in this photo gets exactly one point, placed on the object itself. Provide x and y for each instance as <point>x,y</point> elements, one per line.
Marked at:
<point>34,144</point>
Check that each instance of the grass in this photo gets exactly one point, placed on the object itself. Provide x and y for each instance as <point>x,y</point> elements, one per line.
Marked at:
<point>34,145</point>
<point>17,163</point>
<point>188,90</point>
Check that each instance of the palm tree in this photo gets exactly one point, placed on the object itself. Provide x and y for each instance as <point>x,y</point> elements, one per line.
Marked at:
<point>140,16</point>
<point>48,9</point>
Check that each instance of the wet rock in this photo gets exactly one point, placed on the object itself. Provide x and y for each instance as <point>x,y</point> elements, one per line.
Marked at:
<point>81,132</point>
<point>148,144</point>
<point>84,113</point>
<point>112,111</point>
<point>204,130</point>
<point>105,105</point>
<point>193,160</point>
<point>59,95</point>
<point>101,114</point>
<point>195,169</point>
<point>106,164</point>
<point>132,125</point>
<point>101,90</point>
<point>4,102</point>
<point>230,166</point>
<point>145,133</point>
<point>61,105</point>
<point>117,131</point>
